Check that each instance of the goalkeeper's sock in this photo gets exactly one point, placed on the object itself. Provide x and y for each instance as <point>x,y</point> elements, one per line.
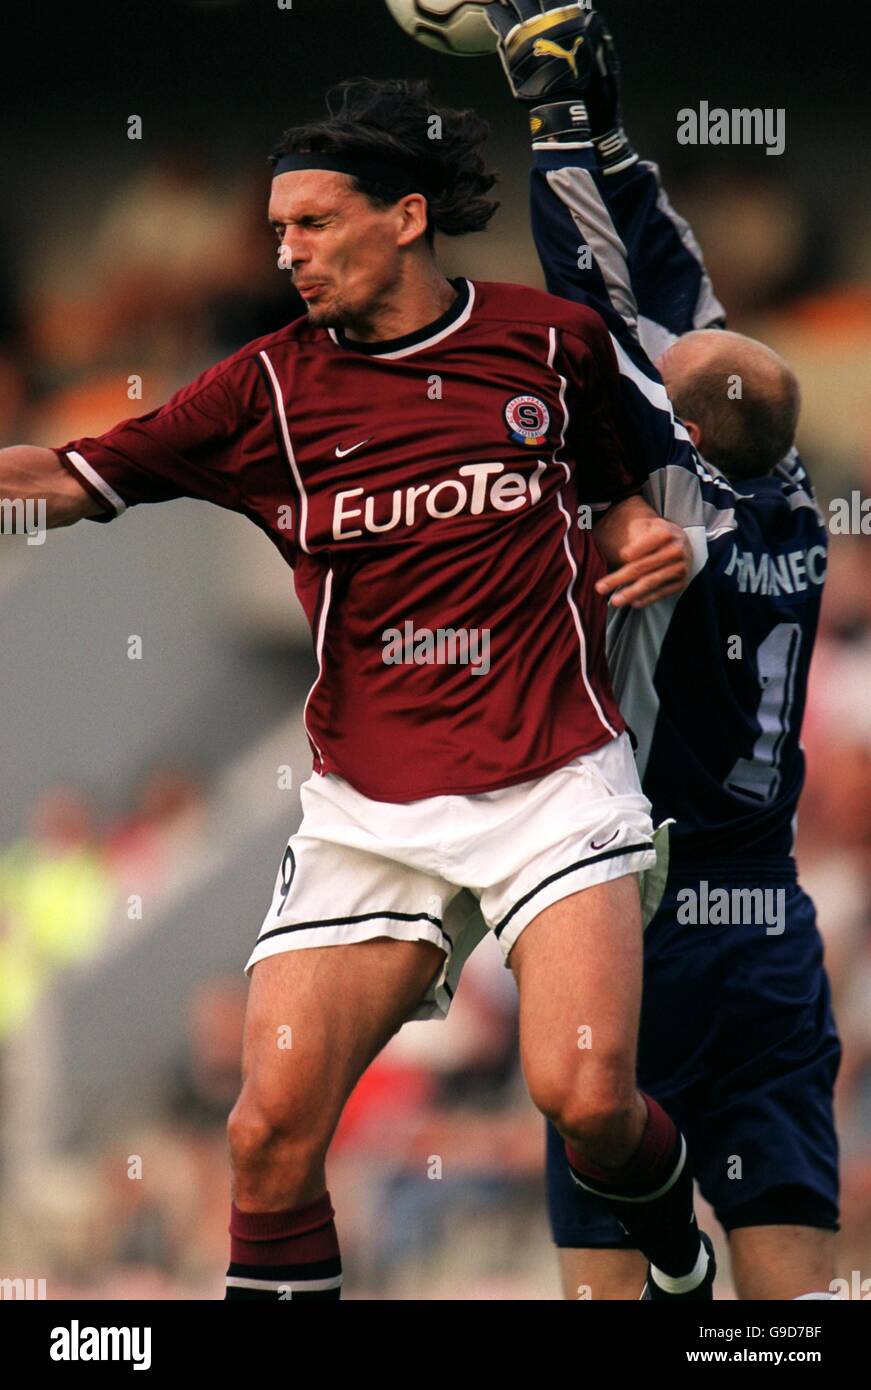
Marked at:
<point>652,1197</point>
<point>284,1254</point>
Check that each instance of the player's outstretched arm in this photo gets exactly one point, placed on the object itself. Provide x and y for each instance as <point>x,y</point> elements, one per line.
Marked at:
<point>31,474</point>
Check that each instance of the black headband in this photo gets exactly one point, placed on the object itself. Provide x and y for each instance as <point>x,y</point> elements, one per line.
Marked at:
<point>391,172</point>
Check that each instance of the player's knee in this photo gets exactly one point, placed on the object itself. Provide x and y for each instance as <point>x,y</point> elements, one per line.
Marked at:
<point>260,1135</point>
<point>592,1120</point>
<point>592,1102</point>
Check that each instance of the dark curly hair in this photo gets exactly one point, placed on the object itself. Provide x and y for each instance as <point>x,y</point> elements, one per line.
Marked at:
<point>370,118</point>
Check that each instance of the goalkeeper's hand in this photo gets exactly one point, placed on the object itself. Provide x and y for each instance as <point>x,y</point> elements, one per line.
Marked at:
<point>562,60</point>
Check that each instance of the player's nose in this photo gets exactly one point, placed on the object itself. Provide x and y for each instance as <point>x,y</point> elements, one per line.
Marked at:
<point>291,255</point>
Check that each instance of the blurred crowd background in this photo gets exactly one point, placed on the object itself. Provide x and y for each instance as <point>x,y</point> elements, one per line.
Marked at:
<point>147,801</point>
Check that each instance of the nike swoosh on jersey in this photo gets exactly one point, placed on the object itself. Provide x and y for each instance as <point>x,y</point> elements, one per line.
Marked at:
<point>343,453</point>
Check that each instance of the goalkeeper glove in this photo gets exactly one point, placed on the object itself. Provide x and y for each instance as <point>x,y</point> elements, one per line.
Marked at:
<point>562,60</point>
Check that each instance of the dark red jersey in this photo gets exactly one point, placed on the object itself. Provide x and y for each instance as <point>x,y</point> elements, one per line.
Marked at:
<point>430,493</point>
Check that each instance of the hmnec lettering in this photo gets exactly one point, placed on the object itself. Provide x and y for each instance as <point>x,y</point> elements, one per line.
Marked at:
<point>771,575</point>
<point>75,1343</point>
<point>488,485</point>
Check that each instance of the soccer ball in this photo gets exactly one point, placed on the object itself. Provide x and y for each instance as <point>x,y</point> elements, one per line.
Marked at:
<point>453,26</point>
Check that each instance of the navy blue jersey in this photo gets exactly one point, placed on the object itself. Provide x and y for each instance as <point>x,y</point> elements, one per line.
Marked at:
<point>711,682</point>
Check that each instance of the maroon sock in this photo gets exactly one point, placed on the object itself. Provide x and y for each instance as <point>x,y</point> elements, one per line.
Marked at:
<point>284,1254</point>
<point>651,1194</point>
<point>651,1165</point>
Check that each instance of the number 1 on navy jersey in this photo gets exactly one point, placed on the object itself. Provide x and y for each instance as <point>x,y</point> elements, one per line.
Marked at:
<point>777,660</point>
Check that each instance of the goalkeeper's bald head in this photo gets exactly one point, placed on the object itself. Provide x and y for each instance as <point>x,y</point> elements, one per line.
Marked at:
<point>739,400</point>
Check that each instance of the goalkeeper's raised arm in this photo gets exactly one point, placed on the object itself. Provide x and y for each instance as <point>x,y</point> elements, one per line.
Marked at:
<point>605,229</point>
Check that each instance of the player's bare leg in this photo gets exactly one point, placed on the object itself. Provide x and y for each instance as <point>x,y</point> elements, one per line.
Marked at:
<point>315,1020</point>
<point>768,1262</point>
<point>601,1274</point>
<point>578,966</point>
<point>782,1262</point>
<point>578,970</point>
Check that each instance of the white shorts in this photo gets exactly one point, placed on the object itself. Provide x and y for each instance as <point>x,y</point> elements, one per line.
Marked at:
<point>358,869</point>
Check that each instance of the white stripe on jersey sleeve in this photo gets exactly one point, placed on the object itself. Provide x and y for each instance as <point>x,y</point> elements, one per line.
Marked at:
<point>81,465</point>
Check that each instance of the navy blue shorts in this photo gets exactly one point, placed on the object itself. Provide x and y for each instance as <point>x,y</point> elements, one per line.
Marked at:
<point>739,1045</point>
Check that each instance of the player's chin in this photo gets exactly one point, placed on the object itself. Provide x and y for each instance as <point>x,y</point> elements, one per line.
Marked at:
<point>320,316</point>
<point>325,318</point>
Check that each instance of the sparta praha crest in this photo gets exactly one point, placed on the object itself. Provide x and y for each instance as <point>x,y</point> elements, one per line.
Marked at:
<point>528,420</point>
